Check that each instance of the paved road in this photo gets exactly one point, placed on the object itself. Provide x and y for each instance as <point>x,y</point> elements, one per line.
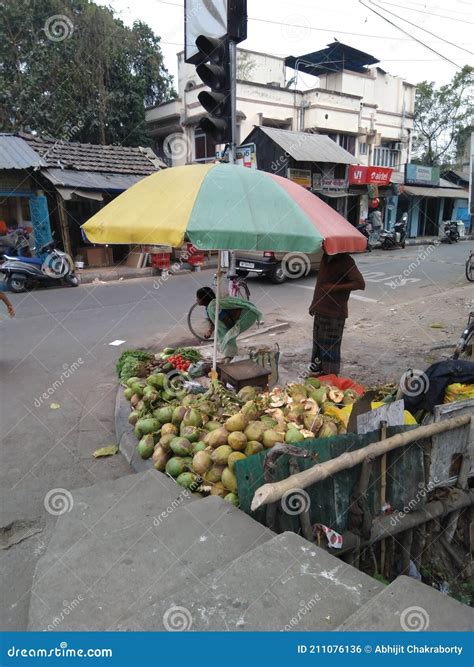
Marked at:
<point>57,351</point>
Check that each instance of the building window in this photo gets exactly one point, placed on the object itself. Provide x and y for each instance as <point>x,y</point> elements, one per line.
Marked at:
<point>346,141</point>
<point>386,157</point>
<point>362,149</point>
<point>204,147</point>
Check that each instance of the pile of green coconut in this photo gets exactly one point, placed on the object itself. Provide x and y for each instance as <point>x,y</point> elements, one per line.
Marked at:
<point>198,439</point>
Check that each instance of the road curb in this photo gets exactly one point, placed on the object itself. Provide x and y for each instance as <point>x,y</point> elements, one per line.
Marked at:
<point>430,241</point>
<point>87,278</point>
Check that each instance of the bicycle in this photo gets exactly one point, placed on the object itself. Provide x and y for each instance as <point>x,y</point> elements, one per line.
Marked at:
<point>464,347</point>
<point>198,322</point>
<point>470,267</point>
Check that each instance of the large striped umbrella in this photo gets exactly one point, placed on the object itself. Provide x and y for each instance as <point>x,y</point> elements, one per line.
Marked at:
<point>223,207</point>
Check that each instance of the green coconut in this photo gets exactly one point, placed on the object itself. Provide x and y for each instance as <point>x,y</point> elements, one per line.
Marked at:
<point>133,417</point>
<point>229,480</point>
<point>237,440</point>
<point>221,454</point>
<point>255,430</point>
<point>237,422</point>
<point>128,393</point>
<point>165,441</point>
<point>234,457</point>
<point>313,422</point>
<point>247,393</point>
<point>186,479</point>
<point>199,446</point>
<point>187,400</point>
<point>218,489</point>
<point>131,381</point>
<point>138,388</point>
<point>206,408</point>
<point>146,446</point>
<point>319,395</point>
<point>314,383</point>
<point>269,422</point>
<point>232,498</point>
<point>169,429</point>
<point>159,458</point>
<point>175,466</point>
<point>253,447</point>
<point>293,435</point>
<point>178,415</point>
<point>214,473</point>
<point>250,410</point>
<point>135,400</point>
<point>147,425</point>
<point>327,430</point>
<point>271,437</point>
<point>202,462</point>
<point>212,425</point>
<point>157,380</point>
<point>192,418</point>
<point>181,446</point>
<point>164,415</point>
<point>217,438</point>
<point>192,433</point>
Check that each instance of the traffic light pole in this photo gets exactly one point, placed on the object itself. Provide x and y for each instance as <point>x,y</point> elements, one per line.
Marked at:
<point>233,123</point>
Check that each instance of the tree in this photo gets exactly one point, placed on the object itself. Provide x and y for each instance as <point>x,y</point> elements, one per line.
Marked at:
<point>440,117</point>
<point>73,70</point>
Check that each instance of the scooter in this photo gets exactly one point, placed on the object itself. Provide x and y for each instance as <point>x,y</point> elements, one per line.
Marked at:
<point>48,268</point>
<point>366,229</point>
<point>397,237</point>
<point>15,244</point>
<point>451,231</point>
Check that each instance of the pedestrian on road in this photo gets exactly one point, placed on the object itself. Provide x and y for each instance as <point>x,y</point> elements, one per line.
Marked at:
<point>338,276</point>
<point>376,220</point>
<point>235,316</point>
<point>8,303</point>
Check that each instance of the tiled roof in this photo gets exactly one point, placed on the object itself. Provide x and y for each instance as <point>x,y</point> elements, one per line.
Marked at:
<point>93,157</point>
<point>17,154</point>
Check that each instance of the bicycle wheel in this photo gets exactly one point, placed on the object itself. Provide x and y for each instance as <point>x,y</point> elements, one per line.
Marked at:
<point>470,269</point>
<point>243,290</point>
<point>198,323</point>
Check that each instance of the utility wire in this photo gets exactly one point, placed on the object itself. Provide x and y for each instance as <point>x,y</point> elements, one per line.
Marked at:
<point>424,29</point>
<point>410,35</point>
<point>421,11</point>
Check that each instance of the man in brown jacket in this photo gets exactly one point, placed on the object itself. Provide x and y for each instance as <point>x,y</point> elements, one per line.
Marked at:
<point>338,276</point>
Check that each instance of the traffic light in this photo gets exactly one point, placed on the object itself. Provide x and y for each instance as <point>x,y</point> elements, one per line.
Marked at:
<point>214,71</point>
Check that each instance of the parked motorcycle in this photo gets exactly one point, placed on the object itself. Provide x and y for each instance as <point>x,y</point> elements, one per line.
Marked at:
<point>395,238</point>
<point>451,231</point>
<point>366,229</point>
<point>50,267</point>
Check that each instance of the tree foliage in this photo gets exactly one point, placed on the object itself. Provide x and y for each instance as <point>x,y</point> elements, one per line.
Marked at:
<point>441,115</point>
<point>72,69</point>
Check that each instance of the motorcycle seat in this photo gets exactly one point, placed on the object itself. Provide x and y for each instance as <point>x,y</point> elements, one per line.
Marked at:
<point>26,260</point>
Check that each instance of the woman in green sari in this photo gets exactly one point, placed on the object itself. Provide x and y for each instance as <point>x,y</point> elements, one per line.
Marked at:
<point>235,316</point>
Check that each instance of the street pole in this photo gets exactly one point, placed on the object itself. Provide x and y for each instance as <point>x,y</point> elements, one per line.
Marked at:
<point>233,124</point>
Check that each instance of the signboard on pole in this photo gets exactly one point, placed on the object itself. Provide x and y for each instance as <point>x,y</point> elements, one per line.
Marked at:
<point>300,176</point>
<point>246,156</point>
<point>359,175</point>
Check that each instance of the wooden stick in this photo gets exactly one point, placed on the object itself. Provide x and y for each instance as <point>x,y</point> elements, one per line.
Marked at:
<point>269,493</point>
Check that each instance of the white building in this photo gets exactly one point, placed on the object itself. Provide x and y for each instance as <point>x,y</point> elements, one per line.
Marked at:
<point>363,108</point>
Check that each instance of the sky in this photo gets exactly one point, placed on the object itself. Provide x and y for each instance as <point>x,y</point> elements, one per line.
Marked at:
<point>296,27</point>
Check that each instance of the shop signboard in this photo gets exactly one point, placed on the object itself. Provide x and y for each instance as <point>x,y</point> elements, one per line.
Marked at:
<point>246,156</point>
<point>419,174</point>
<point>334,184</point>
<point>300,176</point>
<point>359,175</point>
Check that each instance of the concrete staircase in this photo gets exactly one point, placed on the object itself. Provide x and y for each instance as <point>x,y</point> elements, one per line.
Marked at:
<point>140,553</point>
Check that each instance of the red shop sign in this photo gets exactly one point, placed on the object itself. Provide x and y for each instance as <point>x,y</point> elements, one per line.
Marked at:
<point>369,175</point>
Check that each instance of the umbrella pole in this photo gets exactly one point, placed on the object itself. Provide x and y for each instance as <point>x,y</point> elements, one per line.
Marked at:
<point>216,319</point>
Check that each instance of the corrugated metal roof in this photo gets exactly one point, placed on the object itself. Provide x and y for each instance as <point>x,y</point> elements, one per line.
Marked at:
<point>15,153</point>
<point>91,180</point>
<point>309,147</point>
<point>334,58</point>
<point>420,191</point>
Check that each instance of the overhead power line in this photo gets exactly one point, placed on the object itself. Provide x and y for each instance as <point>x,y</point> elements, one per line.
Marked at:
<point>407,33</point>
<point>421,11</point>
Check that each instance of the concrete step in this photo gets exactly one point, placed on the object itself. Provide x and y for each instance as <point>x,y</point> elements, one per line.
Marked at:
<point>407,604</point>
<point>284,584</point>
<point>120,545</point>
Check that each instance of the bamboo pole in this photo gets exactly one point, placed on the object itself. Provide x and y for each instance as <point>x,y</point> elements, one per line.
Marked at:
<point>269,493</point>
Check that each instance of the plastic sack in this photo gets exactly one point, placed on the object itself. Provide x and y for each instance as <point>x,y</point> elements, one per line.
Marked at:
<point>458,392</point>
<point>344,412</point>
<point>341,383</point>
